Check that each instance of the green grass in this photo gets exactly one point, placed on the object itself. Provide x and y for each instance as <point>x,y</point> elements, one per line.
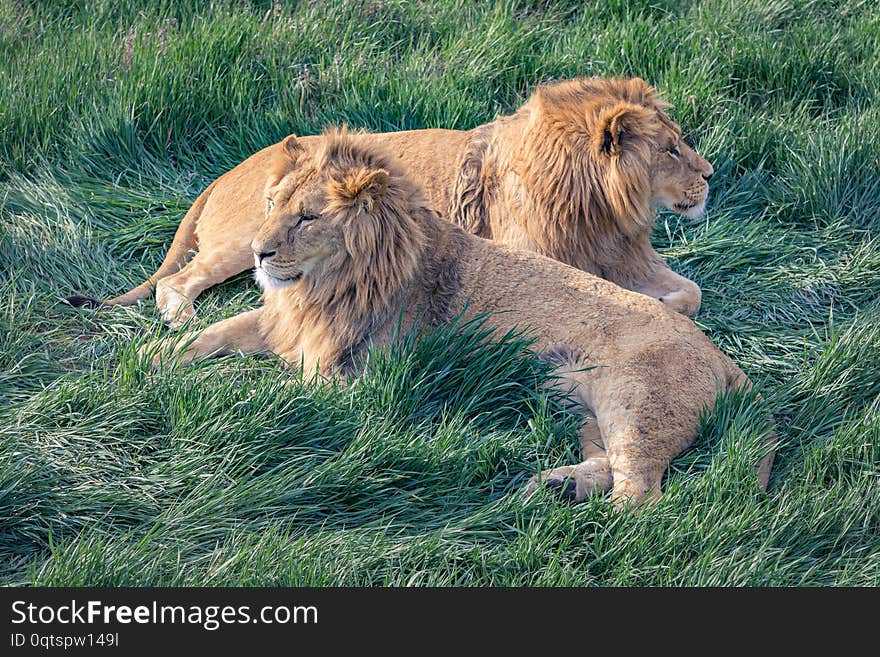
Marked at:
<point>115,115</point>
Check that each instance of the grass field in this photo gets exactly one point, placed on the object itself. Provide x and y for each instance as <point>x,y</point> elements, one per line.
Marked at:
<point>114,115</point>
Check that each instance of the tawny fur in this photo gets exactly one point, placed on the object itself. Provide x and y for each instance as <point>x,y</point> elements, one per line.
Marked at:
<point>350,247</point>
<point>575,175</point>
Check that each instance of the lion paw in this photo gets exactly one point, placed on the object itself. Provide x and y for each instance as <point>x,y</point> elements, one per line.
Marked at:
<point>175,308</point>
<point>563,486</point>
<point>681,301</point>
<point>163,351</point>
<point>574,483</point>
<point>175,318</point>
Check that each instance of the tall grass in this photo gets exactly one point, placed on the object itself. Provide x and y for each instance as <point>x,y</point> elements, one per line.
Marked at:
<point>115,115</point>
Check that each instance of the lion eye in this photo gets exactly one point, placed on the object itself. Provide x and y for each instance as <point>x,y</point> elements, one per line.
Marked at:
<point>271,203</point>
<point>673,151</point>
<point>305,220</point>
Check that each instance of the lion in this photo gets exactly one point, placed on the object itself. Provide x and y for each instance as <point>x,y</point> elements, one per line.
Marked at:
<point>575,175</point>
<point>351,252</point>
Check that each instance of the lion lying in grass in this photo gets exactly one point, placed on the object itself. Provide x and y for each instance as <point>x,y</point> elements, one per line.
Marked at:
<point>575,175</point>
<point>350,248</point>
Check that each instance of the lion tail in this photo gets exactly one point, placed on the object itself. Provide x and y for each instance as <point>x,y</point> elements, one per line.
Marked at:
<point>184,241</point>
<point>737,380</point>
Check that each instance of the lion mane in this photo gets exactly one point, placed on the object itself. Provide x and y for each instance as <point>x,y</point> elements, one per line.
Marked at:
<point>577,160</point>
<point>386,250</point>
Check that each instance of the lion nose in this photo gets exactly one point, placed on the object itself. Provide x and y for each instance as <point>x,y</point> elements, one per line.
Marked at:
<point>708,172</point>
<point>262,255</point>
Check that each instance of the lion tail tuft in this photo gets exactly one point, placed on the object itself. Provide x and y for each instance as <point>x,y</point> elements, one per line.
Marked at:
<point>78,301</point>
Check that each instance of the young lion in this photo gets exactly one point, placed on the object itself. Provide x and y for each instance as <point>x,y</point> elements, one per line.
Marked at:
<point>575,174</point>
<point>350,246</point>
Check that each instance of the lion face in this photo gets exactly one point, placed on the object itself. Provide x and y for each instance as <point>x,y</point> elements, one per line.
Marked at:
<point>679,176</point>
<point>298,238</point>
<point>610,136</point>
<point>320,218</point>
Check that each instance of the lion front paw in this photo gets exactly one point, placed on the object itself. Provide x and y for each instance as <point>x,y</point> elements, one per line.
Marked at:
<point>574,483</point>
<point>175,308</point>
<point>161,351</point>
<point>681,301</point>
<point>178,316</point>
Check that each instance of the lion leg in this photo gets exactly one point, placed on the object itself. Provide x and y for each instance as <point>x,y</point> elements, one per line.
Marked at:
<point>590,436</point>
<point>648,411</point>
<point>644,426</point>
<point>678,293</point>
<point>175,294</point>
<point>593,474</point>
<point>636,475</point>
<point>576,482</point>
<point>240,333</point>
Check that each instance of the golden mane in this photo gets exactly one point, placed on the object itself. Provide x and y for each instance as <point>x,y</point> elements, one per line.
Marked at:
<point>581,154</point>
<point>382,214</point>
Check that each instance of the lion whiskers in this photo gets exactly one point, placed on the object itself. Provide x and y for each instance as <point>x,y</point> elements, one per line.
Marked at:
<point>697,211</point>
<point>268,282</point>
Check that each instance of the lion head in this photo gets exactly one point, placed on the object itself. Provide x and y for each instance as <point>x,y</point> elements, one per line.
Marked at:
<point>579,170</point>
<point>334,225</point>
<point>617,131</point>
<point>679,176</point>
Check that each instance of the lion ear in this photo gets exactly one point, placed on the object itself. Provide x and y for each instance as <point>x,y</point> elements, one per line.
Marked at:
<point>291,147</point>
<point>367,185</point>
<point>616,122</point>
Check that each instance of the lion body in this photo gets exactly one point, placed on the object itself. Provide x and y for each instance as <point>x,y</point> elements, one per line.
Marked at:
<point>350,246</point>
<point>564,176</point>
